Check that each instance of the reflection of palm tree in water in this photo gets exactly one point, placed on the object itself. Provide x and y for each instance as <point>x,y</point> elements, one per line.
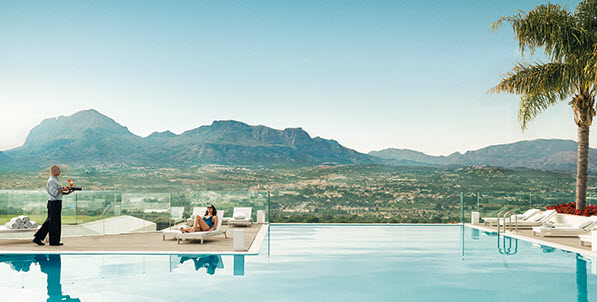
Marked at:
<point>51,266</point>
<point>210,262</point>
<point>582,294</point>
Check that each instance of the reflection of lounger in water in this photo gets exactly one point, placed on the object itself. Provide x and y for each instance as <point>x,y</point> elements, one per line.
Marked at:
<point>210,262</point>
<point>51,265</point>
<point>19,263</point>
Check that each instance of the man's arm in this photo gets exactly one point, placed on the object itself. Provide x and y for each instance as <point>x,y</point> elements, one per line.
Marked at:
<point>65,191</point>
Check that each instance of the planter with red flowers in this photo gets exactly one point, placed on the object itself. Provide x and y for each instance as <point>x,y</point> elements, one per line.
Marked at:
<point>570,208</point>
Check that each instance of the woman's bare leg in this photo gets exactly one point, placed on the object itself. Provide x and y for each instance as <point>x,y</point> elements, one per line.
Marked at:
<point>185,230</point>
<point>199,225</point>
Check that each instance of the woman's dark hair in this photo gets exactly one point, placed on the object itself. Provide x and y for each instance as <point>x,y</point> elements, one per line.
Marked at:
<point>215,212</point>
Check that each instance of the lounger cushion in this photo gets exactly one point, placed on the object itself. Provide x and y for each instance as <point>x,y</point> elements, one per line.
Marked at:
<point>240,217</point>
<point>582,224</point>
<point>589,227</point>
<point>537,217</point>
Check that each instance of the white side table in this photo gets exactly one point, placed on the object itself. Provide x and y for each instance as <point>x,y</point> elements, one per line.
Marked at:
<point>239,240</point>
<point>475,217</point>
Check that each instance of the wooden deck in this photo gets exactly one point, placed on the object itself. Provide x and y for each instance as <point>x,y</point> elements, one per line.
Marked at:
<point>147,242</point>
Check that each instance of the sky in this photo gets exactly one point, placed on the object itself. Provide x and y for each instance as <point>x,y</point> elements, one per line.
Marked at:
<point>371,74</point>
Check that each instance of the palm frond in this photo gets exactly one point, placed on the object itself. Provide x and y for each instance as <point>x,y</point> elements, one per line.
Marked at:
<point>586,13</point>
<point>532,105</point>
<point>556,79</point>
<point>549,26</point>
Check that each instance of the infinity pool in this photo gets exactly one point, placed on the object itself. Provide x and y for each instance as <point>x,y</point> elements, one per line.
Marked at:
<point>318,263</point>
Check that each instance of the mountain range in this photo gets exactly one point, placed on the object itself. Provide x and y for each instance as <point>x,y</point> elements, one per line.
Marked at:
<point>89,138</point>
<point>540,154</point>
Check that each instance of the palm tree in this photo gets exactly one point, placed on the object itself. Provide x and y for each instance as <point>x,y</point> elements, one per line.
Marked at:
<point>569,40</point>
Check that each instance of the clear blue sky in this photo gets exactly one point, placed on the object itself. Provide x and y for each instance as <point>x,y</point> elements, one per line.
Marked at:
<point>370,74</point>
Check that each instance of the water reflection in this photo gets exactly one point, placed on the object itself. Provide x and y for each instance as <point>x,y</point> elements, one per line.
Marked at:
<point>507,245</point>
<point>50,265</point>
<point>210,262</point>
<point>582,294</point>
<point>475,234</point>
<point>239,265</point>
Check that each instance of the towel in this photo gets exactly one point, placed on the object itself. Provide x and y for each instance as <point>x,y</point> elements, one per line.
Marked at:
<point>9,225</point>
<point>16,220</point>
<point>29,225</point>
<point>24,218</point>
<point>34,224</point>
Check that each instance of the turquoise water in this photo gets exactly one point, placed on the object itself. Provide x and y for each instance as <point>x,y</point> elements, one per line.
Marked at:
<point>314,262</point>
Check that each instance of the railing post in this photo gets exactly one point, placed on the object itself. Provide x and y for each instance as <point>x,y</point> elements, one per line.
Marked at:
<point>462,207</point>
<point>477,201</point>
<point>268,207</point>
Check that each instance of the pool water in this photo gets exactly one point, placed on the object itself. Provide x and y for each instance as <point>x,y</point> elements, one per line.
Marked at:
<point>318,262</point>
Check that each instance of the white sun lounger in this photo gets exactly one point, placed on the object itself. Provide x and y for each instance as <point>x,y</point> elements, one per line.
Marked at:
<point>202,235</point>
<point>585,240</point>
<point>241,216</point>
<point>171,234</point>
<point>581,228</point>
<point>176,214</point>
<point>196,211</point>
<point>492,221</point>
<point>535,220</point>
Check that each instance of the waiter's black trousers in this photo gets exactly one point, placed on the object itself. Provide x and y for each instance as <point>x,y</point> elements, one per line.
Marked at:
<point>53,223</point>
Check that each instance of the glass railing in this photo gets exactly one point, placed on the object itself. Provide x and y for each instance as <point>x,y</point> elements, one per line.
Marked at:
<point>490,204</point>
<point>108,212</point>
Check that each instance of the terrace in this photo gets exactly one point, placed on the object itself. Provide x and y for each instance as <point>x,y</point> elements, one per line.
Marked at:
<point>110,222</point>
<point>100,221</point>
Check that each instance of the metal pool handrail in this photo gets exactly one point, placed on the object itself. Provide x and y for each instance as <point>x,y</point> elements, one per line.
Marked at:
<point>506,213</point>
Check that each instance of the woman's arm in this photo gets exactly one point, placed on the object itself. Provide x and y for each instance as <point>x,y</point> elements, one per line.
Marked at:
<point>215,225</point>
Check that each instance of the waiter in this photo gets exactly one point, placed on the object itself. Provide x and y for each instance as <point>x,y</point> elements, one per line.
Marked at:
<point>53,223</point>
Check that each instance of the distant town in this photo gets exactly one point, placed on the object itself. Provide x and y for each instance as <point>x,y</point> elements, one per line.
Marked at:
<point>339,193</point>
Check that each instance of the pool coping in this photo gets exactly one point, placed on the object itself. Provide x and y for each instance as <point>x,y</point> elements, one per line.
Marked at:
<point>253,249</point>
<point>535,240</point>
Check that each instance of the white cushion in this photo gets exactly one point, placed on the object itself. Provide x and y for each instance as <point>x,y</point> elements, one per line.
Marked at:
<point>589,227</point>
<point>582,224</point>
<point>239,217</point>
<point>538,217</point>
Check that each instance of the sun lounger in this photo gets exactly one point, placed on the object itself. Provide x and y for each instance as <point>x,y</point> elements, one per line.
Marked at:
<point>535,220</point>
<point>171,233</point>
<point>492,221</point>
<point>241,216</point>
<point>583,227</point>
<point>585,240</point>
<point>196,211</point>
<point>202,235</point>
<point>176,214</point>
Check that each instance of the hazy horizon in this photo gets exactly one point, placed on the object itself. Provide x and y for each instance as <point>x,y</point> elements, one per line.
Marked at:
<point>371,75</point>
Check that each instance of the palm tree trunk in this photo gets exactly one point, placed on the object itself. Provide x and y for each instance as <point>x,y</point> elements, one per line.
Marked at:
<point>582,167</point>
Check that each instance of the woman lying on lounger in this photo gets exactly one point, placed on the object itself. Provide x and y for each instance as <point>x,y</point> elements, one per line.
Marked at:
<point>208,222</point>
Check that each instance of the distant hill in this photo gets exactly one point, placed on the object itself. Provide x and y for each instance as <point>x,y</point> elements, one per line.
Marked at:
<point>540,154</point>
<point>91,138</point>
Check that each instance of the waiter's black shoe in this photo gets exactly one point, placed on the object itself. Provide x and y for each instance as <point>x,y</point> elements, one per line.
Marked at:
<point>38,241</point>
<point>57,244</point>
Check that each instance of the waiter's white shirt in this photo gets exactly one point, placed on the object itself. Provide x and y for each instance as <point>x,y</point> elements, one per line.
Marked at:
<point>53,187</point>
